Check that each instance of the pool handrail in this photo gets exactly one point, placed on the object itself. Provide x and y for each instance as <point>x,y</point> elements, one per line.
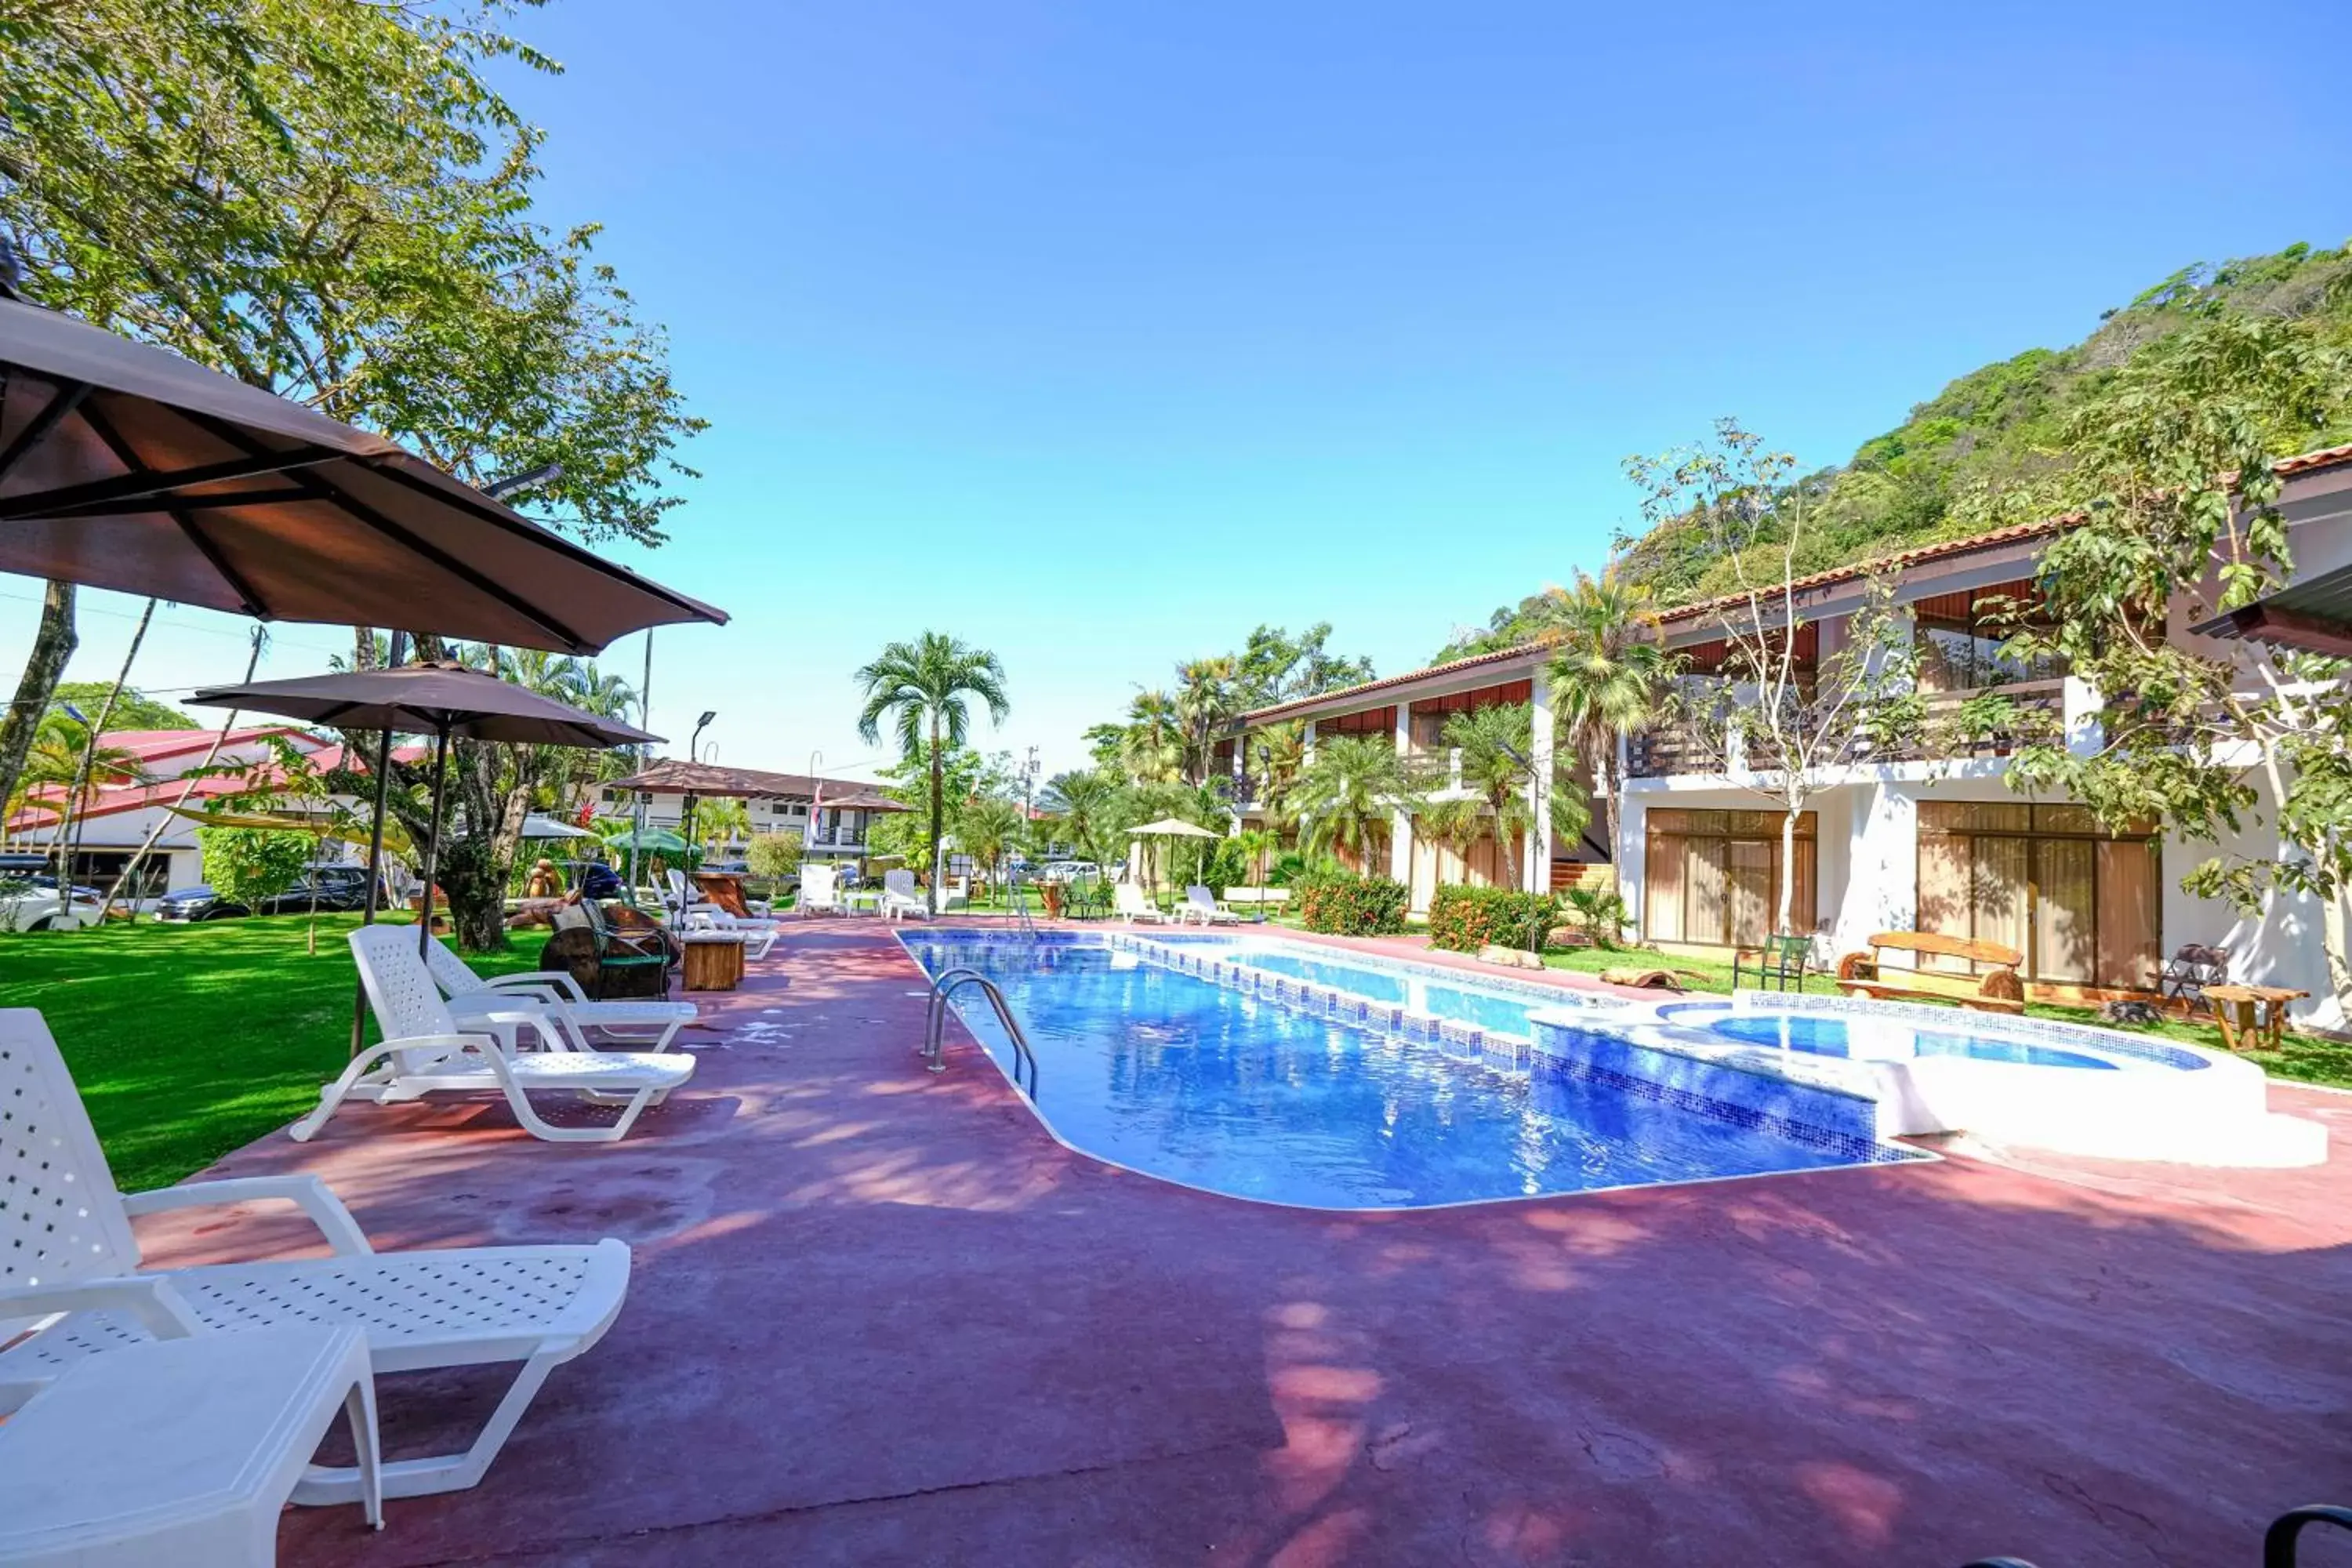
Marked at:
<point>935,1025</point>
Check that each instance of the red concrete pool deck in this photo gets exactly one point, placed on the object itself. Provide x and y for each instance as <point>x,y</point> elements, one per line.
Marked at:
<point>881,1316</point>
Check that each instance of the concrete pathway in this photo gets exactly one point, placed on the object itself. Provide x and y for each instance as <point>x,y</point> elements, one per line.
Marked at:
<point>880,1317</point>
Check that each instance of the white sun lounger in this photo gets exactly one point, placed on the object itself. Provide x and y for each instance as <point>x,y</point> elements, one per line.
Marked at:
<point>684,906</point>
<point>1132,906</point>
<point>473,995</point>
<point>899,898</point>
<point>425,1051</point>
<point>70,1278</point>
<point>757,937</point>
<point>1199,904</point>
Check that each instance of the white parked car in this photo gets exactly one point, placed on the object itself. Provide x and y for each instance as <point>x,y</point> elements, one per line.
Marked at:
<point>30,899</point>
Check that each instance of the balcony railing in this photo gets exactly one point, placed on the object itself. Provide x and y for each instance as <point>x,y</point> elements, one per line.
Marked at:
<point>2038,713</point>
<point>1672,748</point>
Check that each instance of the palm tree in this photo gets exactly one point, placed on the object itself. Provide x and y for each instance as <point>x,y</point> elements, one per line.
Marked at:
<point>988,828</point>
<point>1608,676</point>
<point>1085,808</point>
<point>720,821</point>
<point>1152,751</point>
<point>1497,751</point>
<point>922,690</point>
<point>1347,794</point>
<point>1282,753</point>
<point>1204,704</point>
<point>1456,822</point>
<point>67,769</point>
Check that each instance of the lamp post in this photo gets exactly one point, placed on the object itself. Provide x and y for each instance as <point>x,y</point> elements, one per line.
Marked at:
<point>694,754</point>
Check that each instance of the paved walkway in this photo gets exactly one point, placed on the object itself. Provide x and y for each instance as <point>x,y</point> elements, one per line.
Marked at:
<point>880,1316</point>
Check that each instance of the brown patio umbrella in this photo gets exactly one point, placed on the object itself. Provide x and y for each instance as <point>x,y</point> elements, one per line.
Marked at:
<point>123,466</point>
<point>436,700</point>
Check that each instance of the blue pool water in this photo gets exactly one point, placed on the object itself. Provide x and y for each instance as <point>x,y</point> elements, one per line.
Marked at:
<point>1830,1036</point>
<point>1494,1008</point>
<point>1199,1083</point>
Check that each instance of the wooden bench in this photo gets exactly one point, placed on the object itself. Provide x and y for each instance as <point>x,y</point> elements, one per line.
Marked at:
<point>1997,989</point>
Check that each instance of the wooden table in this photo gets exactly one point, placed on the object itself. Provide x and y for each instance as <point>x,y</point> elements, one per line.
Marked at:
<point>724,889</point>
<point>2252,1016</point>
<point>714,960</point>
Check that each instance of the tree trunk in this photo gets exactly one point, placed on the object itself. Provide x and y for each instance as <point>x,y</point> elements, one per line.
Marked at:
<point>1788,871</point>
<point>97,730</point>
<point>53,643</point>
<point>938,786</point>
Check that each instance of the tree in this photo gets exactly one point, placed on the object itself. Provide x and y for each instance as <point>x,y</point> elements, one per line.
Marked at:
<point>54,641</point>
<point>1347,792</point>
<point>65,769</point>
<point>1608,674</point>
<point>1203,705</point>
<point>774,857</point>
<point>1497,745</point>
<point>134,710</point>
<point>284,782</point>
<point>1275,667</point>
<point>332,203</point>
<point>988,828</point>
<point>1783,728</point>
<point>1086,810</point>
<point>923,690</point>
<point>1152,749</point>
<point>721,822</point>
<point>246,865</point>
<point>2173,478</point>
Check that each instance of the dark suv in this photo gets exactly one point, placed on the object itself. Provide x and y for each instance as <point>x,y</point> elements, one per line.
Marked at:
<point>339,888</point>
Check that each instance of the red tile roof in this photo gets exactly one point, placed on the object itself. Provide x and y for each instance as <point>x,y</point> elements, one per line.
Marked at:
<point>1365,688</point>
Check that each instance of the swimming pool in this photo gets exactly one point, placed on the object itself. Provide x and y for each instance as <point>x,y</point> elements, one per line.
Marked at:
<point>1292,1099</point>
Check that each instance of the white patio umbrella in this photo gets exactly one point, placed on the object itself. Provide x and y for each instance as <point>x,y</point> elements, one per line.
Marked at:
<point>1171,827</point>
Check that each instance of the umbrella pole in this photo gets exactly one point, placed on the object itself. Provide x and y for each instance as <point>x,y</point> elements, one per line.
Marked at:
<point>433,841</point>
<point>375,878</point>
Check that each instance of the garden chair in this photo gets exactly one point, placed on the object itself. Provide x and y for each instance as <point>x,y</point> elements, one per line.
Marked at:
<point>619,952</point>
<point>899,898</point>
<point>425,1051</point>
<point>1781,963</point>
<point>471,994</point>
<point>1131,905</point>
<point>74,1287</point>
<point>1201,904</point>
<point>820,891</point>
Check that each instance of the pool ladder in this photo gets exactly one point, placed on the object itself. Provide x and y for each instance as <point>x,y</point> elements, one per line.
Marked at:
<point>935,1026</point>
<point>2280,1541</point>
<point>1027,927</point>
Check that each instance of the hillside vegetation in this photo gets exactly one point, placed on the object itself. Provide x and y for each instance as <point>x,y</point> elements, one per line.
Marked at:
<point>1984,451</point>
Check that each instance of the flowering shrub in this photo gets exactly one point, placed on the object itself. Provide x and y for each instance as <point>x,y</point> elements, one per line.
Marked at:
<point>1464,919</point>
<point>1346,905</point>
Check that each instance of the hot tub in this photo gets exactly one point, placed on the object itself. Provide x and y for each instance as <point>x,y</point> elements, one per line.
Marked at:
<point>1904,1069</point>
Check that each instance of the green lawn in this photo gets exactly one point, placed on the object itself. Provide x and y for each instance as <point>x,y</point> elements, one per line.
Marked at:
<point>190,1040</point>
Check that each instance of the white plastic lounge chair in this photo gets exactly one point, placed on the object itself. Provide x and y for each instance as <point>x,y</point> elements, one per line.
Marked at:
<point>821,891</point>
<point>70,1278</point>
<point>1131,905</point>
<point>472,995</point>
<point>425,1052</point>
<point>1199,904</point>
<point>683,903</point>
<point>758,936</point>
<point>182,1450</point>
<point>899,898</point>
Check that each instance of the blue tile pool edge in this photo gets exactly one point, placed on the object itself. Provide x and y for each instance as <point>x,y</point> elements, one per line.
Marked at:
<point>1744,1093</point>
<point>1879,1156</point>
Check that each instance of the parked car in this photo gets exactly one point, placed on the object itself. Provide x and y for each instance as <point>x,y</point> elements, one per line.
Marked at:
<point>30,899</point>
<point>1069,871</point>
<point>197,902</point>
<point>337,887</point>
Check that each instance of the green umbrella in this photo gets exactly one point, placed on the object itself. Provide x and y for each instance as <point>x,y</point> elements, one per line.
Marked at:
<point>650,841</point>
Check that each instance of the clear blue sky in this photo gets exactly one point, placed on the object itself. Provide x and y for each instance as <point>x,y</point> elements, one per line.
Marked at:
<point>1099,333</point>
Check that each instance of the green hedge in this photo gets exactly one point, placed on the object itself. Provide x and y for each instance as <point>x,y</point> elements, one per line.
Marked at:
<point>1463,920</point>
<point>1352,906</point>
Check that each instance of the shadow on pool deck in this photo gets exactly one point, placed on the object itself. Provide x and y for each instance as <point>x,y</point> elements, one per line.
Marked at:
<point>880,1316</point>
